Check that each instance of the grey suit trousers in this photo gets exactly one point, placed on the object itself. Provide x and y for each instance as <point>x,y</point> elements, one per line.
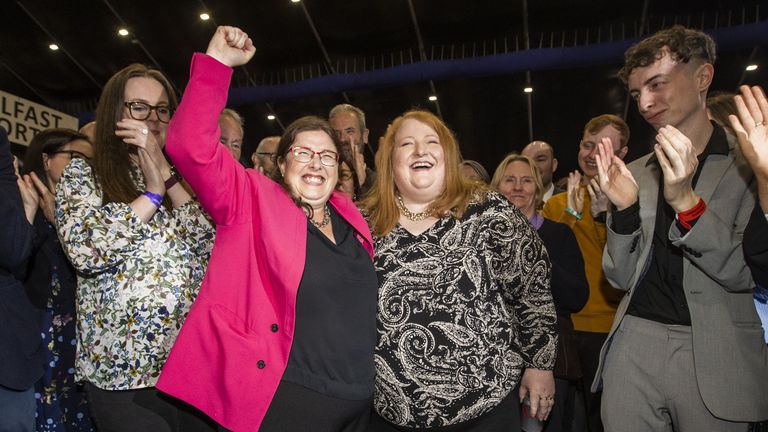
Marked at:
<point>650,382</point>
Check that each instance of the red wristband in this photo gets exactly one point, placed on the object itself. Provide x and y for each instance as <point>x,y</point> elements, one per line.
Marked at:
<point>685,218</point>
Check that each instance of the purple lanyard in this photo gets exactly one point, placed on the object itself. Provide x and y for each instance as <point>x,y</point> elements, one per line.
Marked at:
<point>537,220</point>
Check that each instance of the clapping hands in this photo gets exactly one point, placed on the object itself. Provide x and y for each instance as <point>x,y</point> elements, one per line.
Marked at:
<point>678,162</point>
<point>615,180</point>
<point>751,130</point>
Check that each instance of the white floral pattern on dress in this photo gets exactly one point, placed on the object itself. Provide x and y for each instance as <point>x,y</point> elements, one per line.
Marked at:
<point>136,280</point>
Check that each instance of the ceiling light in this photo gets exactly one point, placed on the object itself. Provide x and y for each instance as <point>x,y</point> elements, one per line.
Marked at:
<point>53,47</point>
<point>271,117</point>
<point>752,67</point>
<point>204,16</point>
<point>295,1</point>
<point>528,89</point>
<point>433,98</point>
<point>123,32</point>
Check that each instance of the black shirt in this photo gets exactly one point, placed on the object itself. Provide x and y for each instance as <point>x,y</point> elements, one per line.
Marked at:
<point>335,332</point>
<point>659,295</point>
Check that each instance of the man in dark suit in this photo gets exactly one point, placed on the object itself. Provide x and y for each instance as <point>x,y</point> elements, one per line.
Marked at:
<point>21,354</point>
<point>674,244</point>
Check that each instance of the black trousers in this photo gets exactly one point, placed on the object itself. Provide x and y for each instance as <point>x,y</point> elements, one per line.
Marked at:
<point>298,409</point>
<point>589,345</point>
<point>505,417</point>
<point>143,410</point>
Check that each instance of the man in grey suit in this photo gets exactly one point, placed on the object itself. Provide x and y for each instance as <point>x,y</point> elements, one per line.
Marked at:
<point>685,351</point>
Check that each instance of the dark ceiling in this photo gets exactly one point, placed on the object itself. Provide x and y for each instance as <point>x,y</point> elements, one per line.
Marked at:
<point>302,44</point>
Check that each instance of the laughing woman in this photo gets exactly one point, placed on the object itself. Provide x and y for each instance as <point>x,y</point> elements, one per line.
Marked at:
<point>281,336</point>
<point>464,299</point>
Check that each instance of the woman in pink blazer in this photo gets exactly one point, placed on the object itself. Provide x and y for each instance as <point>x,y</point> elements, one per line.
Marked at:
<point>281,336</point>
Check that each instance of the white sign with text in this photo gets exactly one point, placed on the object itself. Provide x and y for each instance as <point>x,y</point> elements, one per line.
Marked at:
<point>23,119</point>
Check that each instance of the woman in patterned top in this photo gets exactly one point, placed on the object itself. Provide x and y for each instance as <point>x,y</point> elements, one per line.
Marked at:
<point>140,245</point>
<point>464,299</point>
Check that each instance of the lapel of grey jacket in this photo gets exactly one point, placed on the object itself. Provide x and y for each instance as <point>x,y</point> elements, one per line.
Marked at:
<point>715,167</point>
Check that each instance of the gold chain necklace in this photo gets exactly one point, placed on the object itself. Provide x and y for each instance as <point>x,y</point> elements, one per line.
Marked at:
<point>326,218</point>
<point>411,215</point>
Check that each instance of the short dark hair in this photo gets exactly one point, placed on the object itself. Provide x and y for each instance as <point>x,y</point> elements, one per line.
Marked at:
<point>48,142</point>
<point>683,44</point>
<point>304,124</point>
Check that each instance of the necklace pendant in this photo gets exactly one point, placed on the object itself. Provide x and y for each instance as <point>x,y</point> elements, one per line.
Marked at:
<point>415,217</point>
<point>326,218</point>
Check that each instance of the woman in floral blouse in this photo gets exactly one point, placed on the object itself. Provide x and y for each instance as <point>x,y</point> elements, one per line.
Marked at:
<point>465,311</point>
<point>140,244</point>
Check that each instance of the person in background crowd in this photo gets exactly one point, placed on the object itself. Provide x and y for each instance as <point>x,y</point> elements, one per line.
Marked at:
<point>51,283</point>
<point>264,157</point>
<point>473,170</point>
<point>349,123</point>
<point>140,245</point>
<point>348,182</point>
<point>281,337</point>
<point>465,311</point>
<point>675,246</point>
<point>232,130</point>
<point>720,107</point>
<point>21,349</point>
<point>542,153</point>
<point>88,130</point>
<point>583,208</point>
<point>517,178</point>
<point>749,126</point>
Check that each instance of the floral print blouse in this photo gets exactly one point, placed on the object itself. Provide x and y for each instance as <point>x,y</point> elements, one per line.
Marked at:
<point>464,307</point>
<point>136,280</point>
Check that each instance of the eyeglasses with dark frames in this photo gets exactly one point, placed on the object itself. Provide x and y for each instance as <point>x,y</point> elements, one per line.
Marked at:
<point>304,155</point>
<point>141,111</point>
<point>73,154</point>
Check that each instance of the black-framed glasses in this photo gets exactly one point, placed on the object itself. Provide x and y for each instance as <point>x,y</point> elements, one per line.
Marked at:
<point>304,155</point>
<point>73,154</point>
<point>142,110</point>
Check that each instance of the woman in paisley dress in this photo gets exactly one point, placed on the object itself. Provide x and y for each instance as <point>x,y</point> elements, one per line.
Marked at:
<point>140,245</point>
<point>466,323</point>
<point>50,282</point>
<point>518,179</point>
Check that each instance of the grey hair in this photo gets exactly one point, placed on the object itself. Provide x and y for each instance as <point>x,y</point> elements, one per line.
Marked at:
<point>342,108</point>
<point>479,169</point>
<point>234,115</point>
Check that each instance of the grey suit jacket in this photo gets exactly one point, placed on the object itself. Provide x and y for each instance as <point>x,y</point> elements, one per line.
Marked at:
<point>731,359</point>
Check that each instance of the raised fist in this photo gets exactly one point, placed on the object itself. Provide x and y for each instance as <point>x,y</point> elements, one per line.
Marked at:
<point>231,46</point>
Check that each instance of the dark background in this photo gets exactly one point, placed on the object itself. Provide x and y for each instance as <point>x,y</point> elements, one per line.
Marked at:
<point>575,50</point>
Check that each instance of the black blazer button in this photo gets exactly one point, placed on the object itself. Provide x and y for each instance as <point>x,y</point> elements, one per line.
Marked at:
<point>261,364</point>
<point>273,327</point>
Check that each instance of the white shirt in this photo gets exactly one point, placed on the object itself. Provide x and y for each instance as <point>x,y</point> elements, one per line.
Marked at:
<point>548,193</point>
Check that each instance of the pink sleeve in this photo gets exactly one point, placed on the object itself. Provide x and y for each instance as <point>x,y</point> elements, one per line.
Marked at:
<point>218,180</point>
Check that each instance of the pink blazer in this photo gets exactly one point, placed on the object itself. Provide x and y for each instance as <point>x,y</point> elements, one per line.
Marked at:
<point>233,348</point>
